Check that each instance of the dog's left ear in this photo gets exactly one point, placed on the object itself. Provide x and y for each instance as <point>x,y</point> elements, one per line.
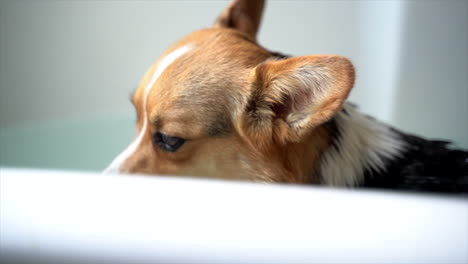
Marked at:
<point>243,15</point>
<point>291,97</point>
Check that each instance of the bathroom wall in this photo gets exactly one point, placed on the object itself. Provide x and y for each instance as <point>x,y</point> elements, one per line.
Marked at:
<point>68,67</point>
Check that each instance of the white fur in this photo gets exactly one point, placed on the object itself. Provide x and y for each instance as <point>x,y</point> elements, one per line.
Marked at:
<point>363,144</point>
<point>114,167</point>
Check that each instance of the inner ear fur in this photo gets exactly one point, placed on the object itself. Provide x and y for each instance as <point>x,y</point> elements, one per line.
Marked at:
<point>243,15</point>
<point>290,97</point>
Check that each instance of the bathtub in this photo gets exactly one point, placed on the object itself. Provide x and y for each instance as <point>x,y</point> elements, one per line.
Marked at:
<point>52,216</point>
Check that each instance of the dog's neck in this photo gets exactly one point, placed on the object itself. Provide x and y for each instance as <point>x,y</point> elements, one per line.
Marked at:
<point>360,144</point>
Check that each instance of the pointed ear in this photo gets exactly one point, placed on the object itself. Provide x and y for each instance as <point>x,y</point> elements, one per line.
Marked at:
<point>290,97</point>
<point>243,15</point>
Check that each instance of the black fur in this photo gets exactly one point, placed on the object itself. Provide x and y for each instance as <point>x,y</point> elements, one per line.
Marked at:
<point>426,165</point>
<point>279,55</point>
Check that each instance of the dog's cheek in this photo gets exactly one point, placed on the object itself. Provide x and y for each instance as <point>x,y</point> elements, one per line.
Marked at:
<point>215,158</point>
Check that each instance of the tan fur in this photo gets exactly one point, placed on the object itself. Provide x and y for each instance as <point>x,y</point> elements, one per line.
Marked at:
<point>245,16</point>
<point>244,114</point>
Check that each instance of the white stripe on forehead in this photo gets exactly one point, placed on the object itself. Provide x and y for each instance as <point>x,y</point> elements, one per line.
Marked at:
<point>165,62</point>
<point>114,167</point>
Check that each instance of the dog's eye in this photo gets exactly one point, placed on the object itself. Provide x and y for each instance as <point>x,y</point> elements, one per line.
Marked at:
<point>168,143</point>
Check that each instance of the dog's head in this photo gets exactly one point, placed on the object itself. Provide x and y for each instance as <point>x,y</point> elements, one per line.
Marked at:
<point>217,104</point>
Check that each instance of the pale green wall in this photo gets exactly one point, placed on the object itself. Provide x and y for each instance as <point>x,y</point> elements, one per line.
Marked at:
<point>68,67</point>
<point>79,144</point>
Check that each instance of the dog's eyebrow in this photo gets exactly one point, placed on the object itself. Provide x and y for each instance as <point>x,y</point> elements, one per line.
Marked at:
<point>216,122</point>
<point>155,120</point>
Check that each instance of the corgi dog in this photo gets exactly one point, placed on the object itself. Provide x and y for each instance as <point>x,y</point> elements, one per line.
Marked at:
<point>217,104</point>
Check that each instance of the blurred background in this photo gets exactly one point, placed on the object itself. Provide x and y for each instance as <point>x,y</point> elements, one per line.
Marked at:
<point>68,67</point>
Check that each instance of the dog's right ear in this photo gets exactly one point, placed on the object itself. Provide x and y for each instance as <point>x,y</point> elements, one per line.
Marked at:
<point>291,97</point>
<point>243,15</point>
